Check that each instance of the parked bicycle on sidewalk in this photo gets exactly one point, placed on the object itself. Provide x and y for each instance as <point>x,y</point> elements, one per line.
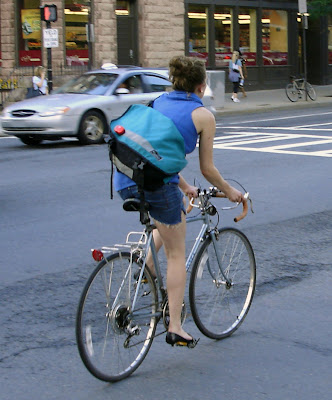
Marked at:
<point>299,87</point>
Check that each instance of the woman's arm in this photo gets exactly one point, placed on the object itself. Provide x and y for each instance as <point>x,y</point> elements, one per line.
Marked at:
<point>206,126</point>
<point>40,80</point>
<point>189,190</point>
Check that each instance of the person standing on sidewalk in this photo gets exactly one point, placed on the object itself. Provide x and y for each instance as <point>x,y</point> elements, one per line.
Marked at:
<point>235,74</point>
<point>245,74</point>
<point>39,81</point>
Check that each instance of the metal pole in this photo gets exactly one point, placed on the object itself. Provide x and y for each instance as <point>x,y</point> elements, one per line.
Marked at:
<point>49,63</point>
<point>304,27</point>
<point>90,37</point>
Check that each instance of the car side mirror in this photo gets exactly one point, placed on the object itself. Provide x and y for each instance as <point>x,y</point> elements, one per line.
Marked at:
<point>122,91</point>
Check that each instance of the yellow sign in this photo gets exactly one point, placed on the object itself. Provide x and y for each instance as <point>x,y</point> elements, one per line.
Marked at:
<point>30,19</point>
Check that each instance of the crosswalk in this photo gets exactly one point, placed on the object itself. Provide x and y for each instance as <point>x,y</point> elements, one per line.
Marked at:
<point>281,141</point>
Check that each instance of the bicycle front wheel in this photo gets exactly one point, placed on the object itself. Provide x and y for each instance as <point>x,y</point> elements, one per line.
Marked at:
<point>219,307</point>
<point>292,93</point>
<point>310,91</point>
<point>112,337</point>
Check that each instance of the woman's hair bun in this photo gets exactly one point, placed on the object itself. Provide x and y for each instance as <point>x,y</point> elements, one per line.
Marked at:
<point>186,72</point>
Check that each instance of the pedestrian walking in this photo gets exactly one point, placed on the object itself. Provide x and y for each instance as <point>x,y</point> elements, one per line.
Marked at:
<point>235,74</point>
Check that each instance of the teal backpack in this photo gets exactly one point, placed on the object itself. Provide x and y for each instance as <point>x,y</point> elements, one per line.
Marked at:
<point>146,146</point>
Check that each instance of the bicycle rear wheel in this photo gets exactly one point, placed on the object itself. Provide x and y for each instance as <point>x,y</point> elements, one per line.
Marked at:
<point>310,91</point>
<point>113,339</point>
<point>219,309</point>
<point>292,93</point>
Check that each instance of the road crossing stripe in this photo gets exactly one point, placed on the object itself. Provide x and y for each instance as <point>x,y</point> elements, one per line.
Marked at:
<point>241,140</point>
<point>276,128</point>
<point>278,118</point>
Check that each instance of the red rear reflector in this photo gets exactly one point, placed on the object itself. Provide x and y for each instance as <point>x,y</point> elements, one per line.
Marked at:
<point>97,255</point>
<point>120,130</point>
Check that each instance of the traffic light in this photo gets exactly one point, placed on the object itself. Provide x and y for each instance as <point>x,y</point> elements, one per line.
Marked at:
<point>49,13</point>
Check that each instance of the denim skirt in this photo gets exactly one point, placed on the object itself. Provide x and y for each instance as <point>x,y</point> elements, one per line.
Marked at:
<point>166,203</point>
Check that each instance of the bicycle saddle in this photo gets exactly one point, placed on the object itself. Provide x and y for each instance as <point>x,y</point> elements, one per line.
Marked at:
<point>134,205</point>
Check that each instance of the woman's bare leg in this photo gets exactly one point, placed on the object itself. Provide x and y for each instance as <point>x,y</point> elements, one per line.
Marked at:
<point>149,259</point>
<point>173,238</point>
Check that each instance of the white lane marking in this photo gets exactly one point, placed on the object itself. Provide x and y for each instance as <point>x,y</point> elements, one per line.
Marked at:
<point>276,128</point>
<point>259,134</point>
<point>241,140</point>
<point>279,118</point>
<point>311,125</point>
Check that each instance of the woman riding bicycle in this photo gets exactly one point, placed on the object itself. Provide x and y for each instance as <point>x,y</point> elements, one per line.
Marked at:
<point>185,108</point>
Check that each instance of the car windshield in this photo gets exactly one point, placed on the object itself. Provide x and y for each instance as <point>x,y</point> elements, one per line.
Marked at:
<point>96,84</point>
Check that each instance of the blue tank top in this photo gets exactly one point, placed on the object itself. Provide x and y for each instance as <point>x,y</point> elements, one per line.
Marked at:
<point>177,106</point>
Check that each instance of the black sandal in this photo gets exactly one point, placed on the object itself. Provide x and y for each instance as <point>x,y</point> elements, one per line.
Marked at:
<point>177,340</point>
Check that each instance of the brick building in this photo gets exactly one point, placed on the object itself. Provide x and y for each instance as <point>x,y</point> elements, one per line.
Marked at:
<point>145,32</point>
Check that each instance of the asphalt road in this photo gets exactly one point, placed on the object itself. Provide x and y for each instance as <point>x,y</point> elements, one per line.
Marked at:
<point>55,206</point>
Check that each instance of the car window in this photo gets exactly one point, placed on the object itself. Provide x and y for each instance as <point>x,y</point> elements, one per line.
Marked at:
<point>96,84</point>
<point>158,84</point>
<point>134,84</point>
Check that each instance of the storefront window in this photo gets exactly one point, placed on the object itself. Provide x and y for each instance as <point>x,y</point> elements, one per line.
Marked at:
<point>274,37</point>
<point>330,38</point>
<point>29,32</point>
<point>76,20</point>
<point>122,7</point>
<point>198,36</point>
<point>248,38</point>
<point>223,35</point>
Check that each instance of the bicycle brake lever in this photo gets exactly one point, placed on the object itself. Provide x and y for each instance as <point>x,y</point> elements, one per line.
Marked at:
<point>247,197</point>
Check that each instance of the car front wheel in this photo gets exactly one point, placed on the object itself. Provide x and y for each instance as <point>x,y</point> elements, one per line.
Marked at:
<point>92,128</point>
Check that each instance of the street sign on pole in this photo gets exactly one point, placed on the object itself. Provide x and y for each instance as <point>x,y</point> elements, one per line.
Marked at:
<point>50,38</point>
<point>302,6</point>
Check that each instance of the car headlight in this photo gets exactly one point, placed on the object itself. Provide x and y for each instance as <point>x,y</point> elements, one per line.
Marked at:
<point>5,113</point>
<point>54,111</point>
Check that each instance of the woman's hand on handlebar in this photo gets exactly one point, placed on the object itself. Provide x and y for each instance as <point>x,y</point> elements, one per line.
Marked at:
<point>191,191</point>
<point>234,195</point>
<point>188,190</point>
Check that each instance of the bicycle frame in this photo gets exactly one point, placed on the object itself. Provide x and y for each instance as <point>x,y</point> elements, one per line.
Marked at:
<point>122,304</point>
<point>146,243</point>
<point>299,84</point>
<point>205,230</point>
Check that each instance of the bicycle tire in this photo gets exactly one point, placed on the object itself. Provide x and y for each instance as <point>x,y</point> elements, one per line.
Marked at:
<point>292,93</point>
<point>218,310</point>
<point>310,91</point>
<point>103,319</point>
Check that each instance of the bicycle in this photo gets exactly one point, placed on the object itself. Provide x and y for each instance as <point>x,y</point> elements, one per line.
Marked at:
<point>297,87</point>
<point>121,303</point>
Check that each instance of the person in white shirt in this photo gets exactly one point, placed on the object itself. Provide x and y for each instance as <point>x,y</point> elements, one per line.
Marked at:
<point>39,81</point>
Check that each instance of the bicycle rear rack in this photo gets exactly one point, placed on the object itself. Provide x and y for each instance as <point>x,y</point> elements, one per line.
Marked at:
<point>131,244</point>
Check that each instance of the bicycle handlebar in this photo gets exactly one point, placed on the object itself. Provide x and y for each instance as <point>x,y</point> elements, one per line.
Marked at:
<point>244,204</point>
<point>222,195</point>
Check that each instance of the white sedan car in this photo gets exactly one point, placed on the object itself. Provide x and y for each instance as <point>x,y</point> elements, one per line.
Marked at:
<point>84,106</point>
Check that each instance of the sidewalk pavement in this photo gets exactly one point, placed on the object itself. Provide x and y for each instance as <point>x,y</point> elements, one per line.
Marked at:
<point>275,99</point>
